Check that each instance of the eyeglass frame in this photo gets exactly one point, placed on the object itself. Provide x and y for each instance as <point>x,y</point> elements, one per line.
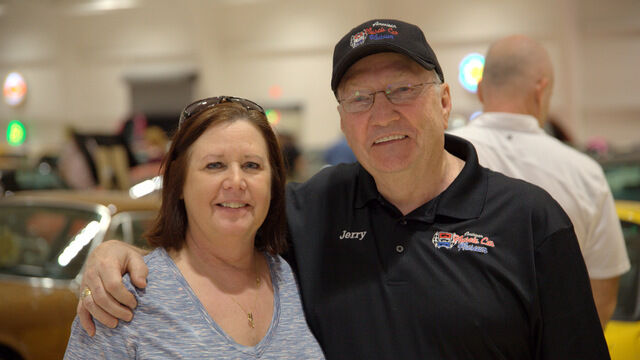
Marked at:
<point>386,93</point>
<point>201,105</point>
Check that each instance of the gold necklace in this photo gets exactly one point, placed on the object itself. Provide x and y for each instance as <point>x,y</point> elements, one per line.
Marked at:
<point>250,319</point>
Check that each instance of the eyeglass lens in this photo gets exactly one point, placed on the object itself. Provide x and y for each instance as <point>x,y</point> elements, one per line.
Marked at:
<point>396,94</point>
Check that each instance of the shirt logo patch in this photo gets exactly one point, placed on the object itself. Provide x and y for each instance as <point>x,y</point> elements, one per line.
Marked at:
<point>467,242</point>
<point>358,235</point>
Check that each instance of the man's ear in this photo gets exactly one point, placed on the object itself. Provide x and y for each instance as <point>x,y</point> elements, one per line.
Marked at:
<point>445,102</point>
<point>479,92</point>
<point>540,90</point>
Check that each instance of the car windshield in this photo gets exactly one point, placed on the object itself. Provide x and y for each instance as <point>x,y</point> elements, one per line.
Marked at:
<point>45,241</point>
<point>129,226</point>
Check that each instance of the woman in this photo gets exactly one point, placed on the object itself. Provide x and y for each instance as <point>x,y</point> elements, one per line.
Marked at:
<point>216,286</point>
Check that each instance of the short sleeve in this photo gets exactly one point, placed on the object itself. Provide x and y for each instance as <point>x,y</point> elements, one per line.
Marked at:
<point>605,252</point>
<point>570,328</point>
<point>107,343</point>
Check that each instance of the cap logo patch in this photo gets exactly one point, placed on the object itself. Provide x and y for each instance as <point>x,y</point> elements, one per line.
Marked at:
<point>383,31</point>
<point>378,23</point>
<point>358,39</point>
<point>377,31</point>
<point>467,242</point>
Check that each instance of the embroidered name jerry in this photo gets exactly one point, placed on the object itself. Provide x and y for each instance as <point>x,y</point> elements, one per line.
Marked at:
<point>358,235</point>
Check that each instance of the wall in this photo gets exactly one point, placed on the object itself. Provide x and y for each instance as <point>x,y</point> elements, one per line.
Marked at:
<point>76,64</point>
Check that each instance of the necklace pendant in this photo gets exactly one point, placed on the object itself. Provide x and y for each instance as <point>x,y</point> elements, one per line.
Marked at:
<point>252,324</point>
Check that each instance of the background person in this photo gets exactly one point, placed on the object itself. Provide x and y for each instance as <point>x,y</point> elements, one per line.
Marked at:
<point>294,161</point>
<point>215,279</point>
<point>339,152</point>
<point>515,93</point>
<point>417,251</point>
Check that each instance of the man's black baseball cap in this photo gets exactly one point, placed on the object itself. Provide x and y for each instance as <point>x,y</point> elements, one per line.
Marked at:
<point>382,35</point>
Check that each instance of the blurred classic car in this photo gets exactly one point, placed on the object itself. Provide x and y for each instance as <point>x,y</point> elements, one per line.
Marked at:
<point>17,174</point>
<point>623,331</point>
<point>45,237</point>
<point>623,175</point>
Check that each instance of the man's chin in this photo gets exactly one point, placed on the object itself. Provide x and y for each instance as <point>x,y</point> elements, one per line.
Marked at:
<point>386,166</point>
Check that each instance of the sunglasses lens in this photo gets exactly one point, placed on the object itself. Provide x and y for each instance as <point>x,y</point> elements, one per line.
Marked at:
<point>197,107</point>
<point>201,105</point>
<point>205,104</point>
<point>248,104</point>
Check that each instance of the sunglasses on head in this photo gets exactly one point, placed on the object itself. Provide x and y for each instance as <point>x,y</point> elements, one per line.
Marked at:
<point>199,106</point>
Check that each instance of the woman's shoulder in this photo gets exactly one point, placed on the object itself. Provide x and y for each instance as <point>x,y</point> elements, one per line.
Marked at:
<point>281,272</point>
<point>157,258</point>
<point>277,264</point>
<point>163,274</point>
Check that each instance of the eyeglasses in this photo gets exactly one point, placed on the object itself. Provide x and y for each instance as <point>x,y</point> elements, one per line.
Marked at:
<point>204,104</point>
<point>398,94</point>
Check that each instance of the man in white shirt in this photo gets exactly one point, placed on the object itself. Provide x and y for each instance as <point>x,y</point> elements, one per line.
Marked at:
<point>515,92</point>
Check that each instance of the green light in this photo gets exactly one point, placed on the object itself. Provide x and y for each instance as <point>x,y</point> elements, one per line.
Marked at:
<point>16,133</point>
<point>273,116</point>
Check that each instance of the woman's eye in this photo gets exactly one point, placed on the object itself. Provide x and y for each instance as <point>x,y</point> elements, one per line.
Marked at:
<point>214,165</point>
<point>252,165</point>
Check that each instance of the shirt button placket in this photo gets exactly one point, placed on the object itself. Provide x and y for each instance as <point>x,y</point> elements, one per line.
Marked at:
<point>399,247</point>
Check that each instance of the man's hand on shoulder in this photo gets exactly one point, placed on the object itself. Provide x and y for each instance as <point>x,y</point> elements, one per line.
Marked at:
<point>103,295</point>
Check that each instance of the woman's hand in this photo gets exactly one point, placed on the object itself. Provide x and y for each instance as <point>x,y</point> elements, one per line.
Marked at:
<point>107,299</point>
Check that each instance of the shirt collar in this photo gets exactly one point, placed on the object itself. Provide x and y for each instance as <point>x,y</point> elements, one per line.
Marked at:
<point>508,121</point>
<point>366,188</point>
<point>463,199</point>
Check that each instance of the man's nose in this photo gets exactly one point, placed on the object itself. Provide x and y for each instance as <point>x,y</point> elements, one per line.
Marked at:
<point>382,110</point>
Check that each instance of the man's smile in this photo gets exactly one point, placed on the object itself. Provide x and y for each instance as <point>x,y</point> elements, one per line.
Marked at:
<point>386,139</point>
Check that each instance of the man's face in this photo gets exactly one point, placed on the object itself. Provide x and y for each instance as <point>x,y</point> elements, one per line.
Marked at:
<point>394,138</point>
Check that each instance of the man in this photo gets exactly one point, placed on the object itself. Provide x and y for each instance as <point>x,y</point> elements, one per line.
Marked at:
<point>416,251</point>
<point>515,93</point>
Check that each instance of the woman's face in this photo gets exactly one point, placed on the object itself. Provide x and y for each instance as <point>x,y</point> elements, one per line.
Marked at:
<point>227,189</point>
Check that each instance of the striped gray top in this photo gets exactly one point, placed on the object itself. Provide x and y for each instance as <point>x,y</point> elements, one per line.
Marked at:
<point>170,322</point>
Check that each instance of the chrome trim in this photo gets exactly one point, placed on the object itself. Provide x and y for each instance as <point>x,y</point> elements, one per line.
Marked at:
<point>41,282</point>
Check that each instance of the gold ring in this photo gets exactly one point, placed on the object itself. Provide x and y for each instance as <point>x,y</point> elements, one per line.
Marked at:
<point>86,292</point>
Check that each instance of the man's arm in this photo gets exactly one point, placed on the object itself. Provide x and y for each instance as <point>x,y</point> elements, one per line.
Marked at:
<point>109,299</point>
<point>605,295</point>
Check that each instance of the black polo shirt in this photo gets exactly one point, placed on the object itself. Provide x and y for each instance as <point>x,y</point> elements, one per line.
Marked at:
<point>489,269</point>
